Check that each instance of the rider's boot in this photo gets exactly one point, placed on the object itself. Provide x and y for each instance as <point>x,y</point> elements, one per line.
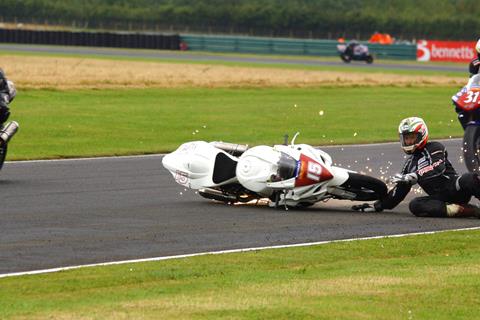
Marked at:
<point>8,131</point>
<point>463,210</point>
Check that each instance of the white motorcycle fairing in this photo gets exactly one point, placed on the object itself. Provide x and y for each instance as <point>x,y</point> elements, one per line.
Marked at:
<point>199,164</point>
<point>305,174</point>
<point>297,175</point>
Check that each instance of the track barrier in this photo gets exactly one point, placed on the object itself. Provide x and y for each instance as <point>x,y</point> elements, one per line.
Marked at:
<point>91,39</point>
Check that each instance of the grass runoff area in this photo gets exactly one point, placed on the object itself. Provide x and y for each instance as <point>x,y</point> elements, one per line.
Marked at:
<point>84,123</point>
<point>130,106</point>
<point>415,277</point>
<point>284,62</point>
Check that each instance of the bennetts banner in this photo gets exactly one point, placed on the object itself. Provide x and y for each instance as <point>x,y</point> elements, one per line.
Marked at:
<point>454,51</point>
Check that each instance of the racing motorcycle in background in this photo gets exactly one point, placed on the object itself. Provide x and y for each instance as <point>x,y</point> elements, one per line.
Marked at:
<point>295,175</point>
<point>354,51</point>
<point>467,105</point>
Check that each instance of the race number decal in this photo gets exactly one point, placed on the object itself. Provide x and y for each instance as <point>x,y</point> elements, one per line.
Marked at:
<point>472,97</point>
<point>182,178</point>
<point>311,172</point>
<point>469,101</point>
<point>314,170</point>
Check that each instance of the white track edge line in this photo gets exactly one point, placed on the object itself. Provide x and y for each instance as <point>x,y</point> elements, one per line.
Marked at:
<point>162,154</point>
<point>88,159</point>
<point>307,244</point>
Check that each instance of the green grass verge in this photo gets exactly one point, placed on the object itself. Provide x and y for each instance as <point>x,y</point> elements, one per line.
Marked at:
<point>418,277</point>
<point>57,124</point>
<point>294,62</point>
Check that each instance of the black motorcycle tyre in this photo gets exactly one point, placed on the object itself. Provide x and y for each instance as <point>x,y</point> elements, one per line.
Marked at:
<point>346,58</point>
<point>3,153</point>
<point>369,60</point>
<point>471,145</point>
<point>365,188</point>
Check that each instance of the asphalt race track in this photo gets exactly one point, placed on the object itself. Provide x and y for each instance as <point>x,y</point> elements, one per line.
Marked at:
<point>61,213</point>
<point>206,57</point>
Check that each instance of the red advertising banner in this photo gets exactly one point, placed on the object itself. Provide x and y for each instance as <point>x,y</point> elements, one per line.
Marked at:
<point>456,51</point>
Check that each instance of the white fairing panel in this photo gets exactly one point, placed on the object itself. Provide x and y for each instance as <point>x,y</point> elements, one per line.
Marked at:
<point>192,164</point>
<point>255,167</point>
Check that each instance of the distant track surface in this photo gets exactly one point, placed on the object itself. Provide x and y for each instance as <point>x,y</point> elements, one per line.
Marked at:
<point>71,212</point>
<point>177,55</point>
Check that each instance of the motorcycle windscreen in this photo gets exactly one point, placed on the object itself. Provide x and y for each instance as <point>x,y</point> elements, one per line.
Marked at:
<point>287,168</point>
<point>311,172</point>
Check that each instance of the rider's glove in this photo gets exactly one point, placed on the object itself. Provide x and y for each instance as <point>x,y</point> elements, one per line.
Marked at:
<point>410,178</point>
<point>367,207</point>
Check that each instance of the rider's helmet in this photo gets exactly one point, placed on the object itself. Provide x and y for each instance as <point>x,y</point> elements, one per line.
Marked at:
<point>413,134</point>
<point>477,47</point>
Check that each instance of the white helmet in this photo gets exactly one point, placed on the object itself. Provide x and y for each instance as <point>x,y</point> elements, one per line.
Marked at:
<point>409,127</point>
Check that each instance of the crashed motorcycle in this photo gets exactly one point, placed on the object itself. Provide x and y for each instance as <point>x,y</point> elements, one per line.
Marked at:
<point>357,52</point>
<point>295,175</point>
<point>467,106</point>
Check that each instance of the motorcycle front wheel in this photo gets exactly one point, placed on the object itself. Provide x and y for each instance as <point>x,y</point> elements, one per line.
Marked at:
<point>3,153</point>
<point>346,58</point>
<point>364,187</point>
<point>471,147</point>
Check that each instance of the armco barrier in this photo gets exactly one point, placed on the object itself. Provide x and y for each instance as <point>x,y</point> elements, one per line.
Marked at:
<point>93,39</point>
<point>283,46</point>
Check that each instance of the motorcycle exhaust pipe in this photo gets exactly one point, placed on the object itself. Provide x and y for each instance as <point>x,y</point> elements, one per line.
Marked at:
<point>8,131</point>
<point>217,195</point>
<point>232,148</point>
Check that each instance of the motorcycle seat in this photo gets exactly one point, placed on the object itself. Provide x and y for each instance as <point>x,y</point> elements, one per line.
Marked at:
<point>224,168</point>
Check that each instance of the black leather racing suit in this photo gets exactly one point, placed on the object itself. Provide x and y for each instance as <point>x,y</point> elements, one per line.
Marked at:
<point>7,94</point>
<point>474,66</point>
<point>438,178</point>
<point>350,48</point>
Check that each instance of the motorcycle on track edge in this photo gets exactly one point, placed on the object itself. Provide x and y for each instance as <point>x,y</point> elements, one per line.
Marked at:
<point>467,106</point>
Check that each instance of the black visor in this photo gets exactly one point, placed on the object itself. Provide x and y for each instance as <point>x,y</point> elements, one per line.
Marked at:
<point>410,138</point>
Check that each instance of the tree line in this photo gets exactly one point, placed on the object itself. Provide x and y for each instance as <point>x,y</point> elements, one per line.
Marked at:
<point>404,19</point>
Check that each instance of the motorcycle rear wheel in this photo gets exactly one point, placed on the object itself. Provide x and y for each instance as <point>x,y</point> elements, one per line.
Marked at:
<point>471,147</point>
<point>364,187</point>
